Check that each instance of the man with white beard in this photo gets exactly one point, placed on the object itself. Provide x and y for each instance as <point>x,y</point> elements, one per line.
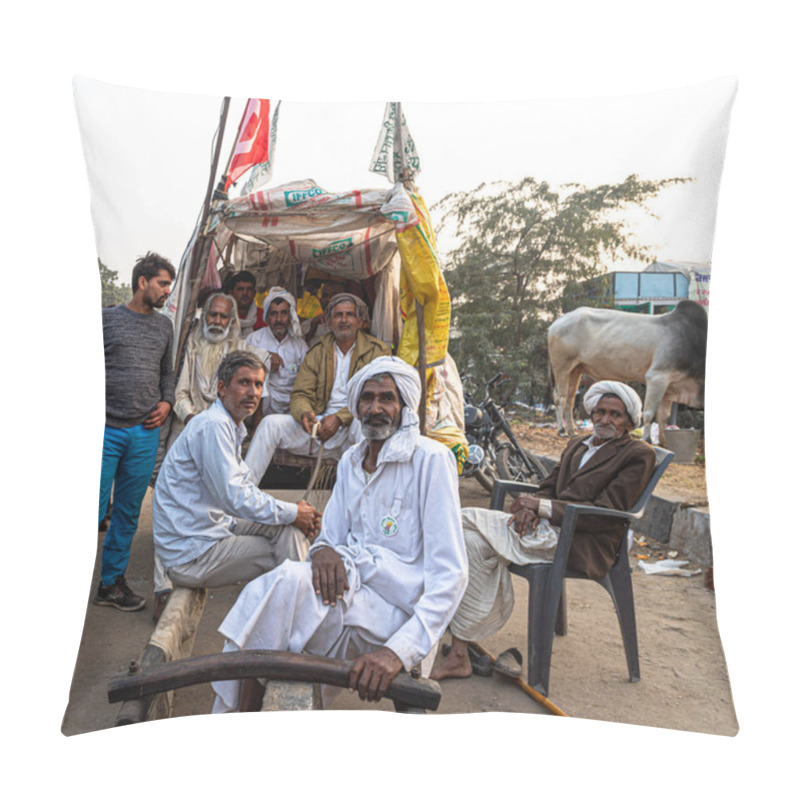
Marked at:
<point>209,343</point>
<point>386,573</point>
<point>606,468</point>
<point>285,347</point>
<point>216,335</point>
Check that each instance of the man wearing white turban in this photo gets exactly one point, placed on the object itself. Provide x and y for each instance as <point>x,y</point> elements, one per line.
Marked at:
<point>284,343</point>
<point>605,468</point>
<point>388,569</point>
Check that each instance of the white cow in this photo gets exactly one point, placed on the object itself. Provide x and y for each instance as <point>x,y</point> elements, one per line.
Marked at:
<point>666,352</point>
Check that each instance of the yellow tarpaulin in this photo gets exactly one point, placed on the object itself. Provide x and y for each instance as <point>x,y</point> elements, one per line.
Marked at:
<point>421,280</point>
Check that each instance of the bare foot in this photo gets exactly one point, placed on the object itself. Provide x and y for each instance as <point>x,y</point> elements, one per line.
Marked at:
<point>454,665</point>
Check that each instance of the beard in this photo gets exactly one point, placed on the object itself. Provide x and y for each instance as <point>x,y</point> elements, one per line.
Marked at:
<point>210,353</point>
<point>379,428</point>
<point>214,333</point>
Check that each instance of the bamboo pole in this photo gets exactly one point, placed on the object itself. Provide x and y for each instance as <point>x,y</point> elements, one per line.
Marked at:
<point>198,246</point>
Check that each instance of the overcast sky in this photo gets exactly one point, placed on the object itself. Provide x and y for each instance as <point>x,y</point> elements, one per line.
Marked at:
<point>149,153</point>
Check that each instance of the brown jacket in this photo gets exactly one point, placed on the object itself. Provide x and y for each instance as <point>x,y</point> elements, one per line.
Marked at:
<point>314,381</point>
<point>613,477</point>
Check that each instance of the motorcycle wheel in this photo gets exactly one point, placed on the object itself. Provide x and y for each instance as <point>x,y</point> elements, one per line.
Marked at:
<point>511,467</point>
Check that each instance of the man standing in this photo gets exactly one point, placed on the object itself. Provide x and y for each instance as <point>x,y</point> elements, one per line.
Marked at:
<point>388,569</point>
<point>606,468</point>
<point>320,388</point>
<point>140,387</point>
<point>243,291</point>
<point>212,526</point>
<point>285,348</point>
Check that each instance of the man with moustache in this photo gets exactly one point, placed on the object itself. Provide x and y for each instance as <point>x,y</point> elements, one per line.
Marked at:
<point>215,335</point>
<point>140,388</point>
<point>319,394</point>
<point>606,468</point>
<point>388,568</point>
<point>212,525</point>
<point>285,348</point>
<point>243,290</point>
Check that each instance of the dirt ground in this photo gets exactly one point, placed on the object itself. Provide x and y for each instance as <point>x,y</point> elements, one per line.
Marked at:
<point>684,682</point>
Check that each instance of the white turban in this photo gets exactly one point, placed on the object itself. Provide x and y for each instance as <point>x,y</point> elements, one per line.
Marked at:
<point>405,376</point>
<point>633,404</point>
<point>279,293</point>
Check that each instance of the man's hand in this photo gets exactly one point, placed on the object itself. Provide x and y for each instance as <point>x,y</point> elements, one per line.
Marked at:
<point>373,672</point>
<point>275,362</point>
<point>525,514</point>
<point>328,426</point>
<point>158,416</point>
<point>308,519</point>
<point>329,576</point>
<point>308,420</point>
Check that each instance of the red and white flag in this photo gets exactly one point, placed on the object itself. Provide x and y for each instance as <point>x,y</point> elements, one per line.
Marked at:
<point>253,145</point>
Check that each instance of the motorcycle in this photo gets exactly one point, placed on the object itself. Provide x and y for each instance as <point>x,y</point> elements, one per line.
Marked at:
<point>491,456</point>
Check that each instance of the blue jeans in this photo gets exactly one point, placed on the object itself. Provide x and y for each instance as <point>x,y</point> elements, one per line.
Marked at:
<point>129,455</point>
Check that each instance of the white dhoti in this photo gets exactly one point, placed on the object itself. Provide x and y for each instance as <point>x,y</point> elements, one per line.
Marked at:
<point>491,545</point>
<point>284,432</point>
<point>281,611</point>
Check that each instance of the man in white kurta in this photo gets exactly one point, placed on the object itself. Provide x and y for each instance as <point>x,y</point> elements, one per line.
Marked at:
<point>212,526</point>
<point>388,570</point>
<point>285,346</point>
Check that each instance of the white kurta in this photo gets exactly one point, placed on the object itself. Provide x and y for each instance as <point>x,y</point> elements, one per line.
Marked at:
<point>204,485</point>
<point>400,538</point>
<point>292,350</point>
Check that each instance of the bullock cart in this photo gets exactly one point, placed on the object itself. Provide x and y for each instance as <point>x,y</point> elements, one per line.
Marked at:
<point>272,680</point>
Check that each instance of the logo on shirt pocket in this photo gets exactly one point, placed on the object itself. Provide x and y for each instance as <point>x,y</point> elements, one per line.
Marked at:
<point>388,525</point>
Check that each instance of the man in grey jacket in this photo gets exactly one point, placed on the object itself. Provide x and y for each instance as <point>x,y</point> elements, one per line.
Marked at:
<point>140,390</point>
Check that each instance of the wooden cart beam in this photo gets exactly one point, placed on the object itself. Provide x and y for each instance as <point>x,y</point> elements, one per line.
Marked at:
<point>269,664</point>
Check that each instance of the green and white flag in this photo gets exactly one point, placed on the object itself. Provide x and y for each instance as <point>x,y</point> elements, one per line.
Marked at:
<point>395,154</point>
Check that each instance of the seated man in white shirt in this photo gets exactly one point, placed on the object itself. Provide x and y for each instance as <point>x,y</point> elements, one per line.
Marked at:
<point>388,569</point>
<point>320,390</point>
<point>285,347</point>
<point>212,526</point>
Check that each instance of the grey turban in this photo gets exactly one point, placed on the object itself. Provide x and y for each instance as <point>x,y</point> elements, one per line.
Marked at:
<point>361,306</point>
<point>633,404</point>
<point>405,376</point>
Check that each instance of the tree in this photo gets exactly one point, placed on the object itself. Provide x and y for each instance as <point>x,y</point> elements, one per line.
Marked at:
<point>112,293</point>
<point>521,250</point>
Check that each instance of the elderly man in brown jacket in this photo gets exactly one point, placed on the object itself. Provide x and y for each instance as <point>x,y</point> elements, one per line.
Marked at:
<point>606,468</point>
<point>319,395</point>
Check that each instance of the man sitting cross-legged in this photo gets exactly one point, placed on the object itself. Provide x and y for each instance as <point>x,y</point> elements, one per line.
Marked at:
<point>389,567</point>
<point>606,468</point>
<point>320,388</point>
<point>211,524</point>
<point>284,348</point>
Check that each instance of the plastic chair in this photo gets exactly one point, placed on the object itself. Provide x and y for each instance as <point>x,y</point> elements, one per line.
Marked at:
<point>546,587</point>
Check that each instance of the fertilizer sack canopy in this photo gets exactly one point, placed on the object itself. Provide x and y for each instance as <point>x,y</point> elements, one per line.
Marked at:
<point>351,234</point>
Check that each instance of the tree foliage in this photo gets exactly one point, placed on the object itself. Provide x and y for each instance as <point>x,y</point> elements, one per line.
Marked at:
<point>521,250</point>
<point>112,293</point>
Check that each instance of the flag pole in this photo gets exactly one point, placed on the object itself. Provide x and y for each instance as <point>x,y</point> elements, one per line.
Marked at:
<point>199,243</point>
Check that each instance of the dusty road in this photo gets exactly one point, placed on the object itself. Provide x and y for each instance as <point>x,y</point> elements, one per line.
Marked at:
<point>684,682</point>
